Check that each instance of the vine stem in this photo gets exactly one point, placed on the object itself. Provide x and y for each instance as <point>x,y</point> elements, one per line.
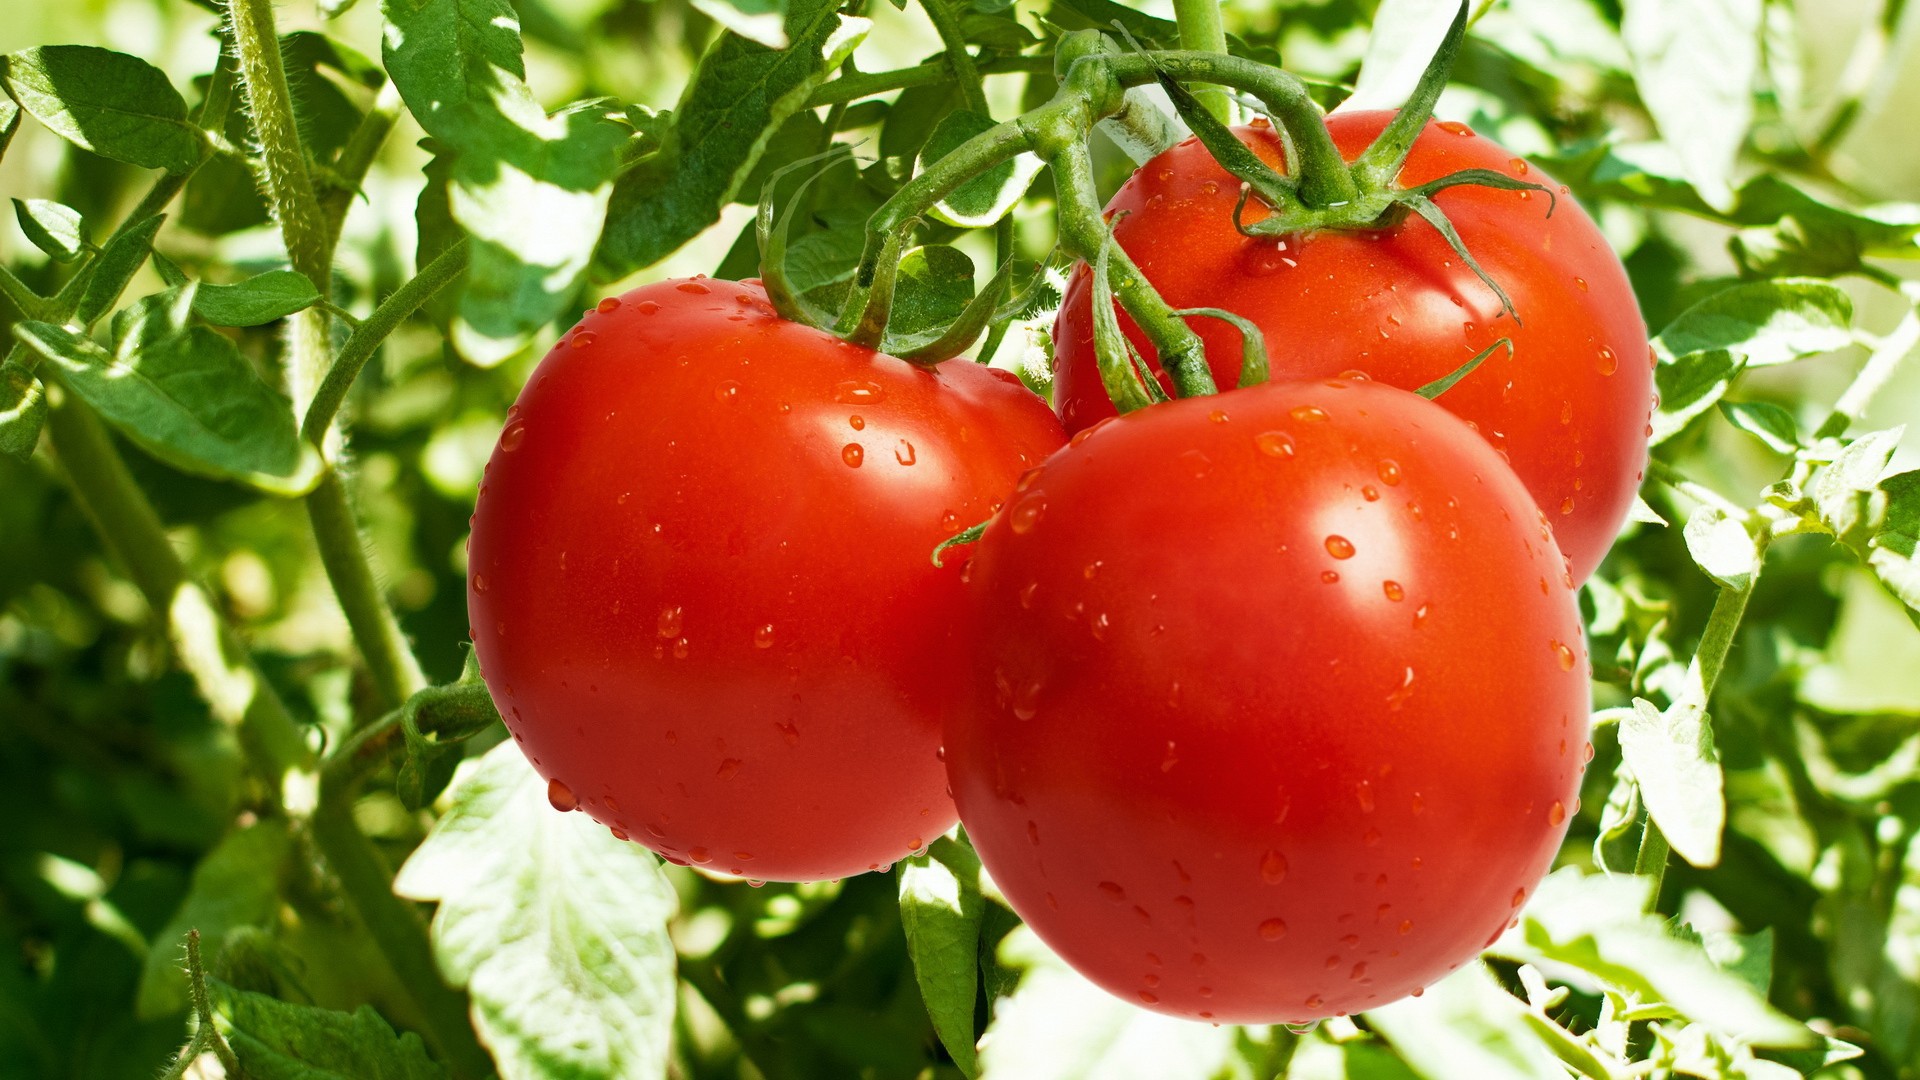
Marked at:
<point>1202,31</point>
<point>848,88</point>
<point>1881,364</point>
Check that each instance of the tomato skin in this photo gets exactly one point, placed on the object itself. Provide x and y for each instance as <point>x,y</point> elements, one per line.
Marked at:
<point>700,584</point>
<point>1225,786</point>
<point>1569,406</point>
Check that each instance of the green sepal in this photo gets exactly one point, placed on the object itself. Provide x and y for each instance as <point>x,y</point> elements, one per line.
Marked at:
<point>771,230</point>
<point>1445,383</point>
<point>1253,342</point>
<point>1437,218</point>
<point>959,539</point>
<point>1120,370</point>
<point>982,311</point>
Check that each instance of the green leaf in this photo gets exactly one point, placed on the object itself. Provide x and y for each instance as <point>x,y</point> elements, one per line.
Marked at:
<point>556,929</point>
<point>738,95</point>
<point>988,197</point>
<point>1847,491</point>
<point>275,1040</point>
<point>1689,386</point>
<point>107,275</point>
<point>1597,923</point>
<point>110,103</point>
<point>23,409</point>
<point>1894,551</point>
<point>1722,547</point>
<point>9,123</point>
<point>1765,421</point>
<point>1059,1026</point>
<point>1400,45</point>
<point>182,393</point>
<point>932,290</point>
<point>1695,62</point>
<point>941,908</point>
<point>1674,761</point>
<point>237,884</point>
<point>55,229</point>
<point>761,21</point>
<point>256,301</point>
<point>1466,1026</point>
<point>1766,322</point>
<point>531,189</point>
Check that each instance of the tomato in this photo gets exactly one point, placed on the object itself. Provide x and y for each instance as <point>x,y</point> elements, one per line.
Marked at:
<point>1568,407</point>
<point>700,585</point>
<point>1279,701</point>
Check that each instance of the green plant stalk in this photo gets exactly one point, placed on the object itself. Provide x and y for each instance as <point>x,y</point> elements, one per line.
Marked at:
<point>1880,367</point>
<point>372,331</point>
<point>1202,31</point>
<point>289,189</point>
<point>390,662</point>
<point>356,158</point>
<point>205,646</point>
<point>31,304</point>
<point>848,88</point>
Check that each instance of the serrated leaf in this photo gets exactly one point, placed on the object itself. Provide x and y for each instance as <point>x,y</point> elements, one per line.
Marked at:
<point>182,393</point>
<point>55,229</point>
<point>1765,421</point>
<point>1766,322</point>
<point>941,909</point>
<point>762,21</point>
<point>1058,1026</point>
<point>932,290</point>
<point>276,1040</point>
<point>1674,761</point>
<point>115,105</point>
<point>1695,62</point>
<point>1465,1025</point>
<point>531,189</point>
<point>1894,551</point>
<point>1689,386</point>
<point>1722,547</point>
<point>23,410</point>
<point>557,930</point>
<point>1596,923</point>
<point>256,301</point>
<point>237,884</point>
<point>108,274</point>
<point>988,197</point>
<point>738,95</point>
<point>1644,513</point>
<point>1847,491</point>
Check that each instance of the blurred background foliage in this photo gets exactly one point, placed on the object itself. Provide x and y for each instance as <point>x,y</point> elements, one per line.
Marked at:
<point>118,782</point>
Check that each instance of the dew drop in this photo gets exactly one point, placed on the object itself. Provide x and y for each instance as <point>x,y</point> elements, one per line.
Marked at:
<point>727,392</point>
<point>853,455</point>
<point>1556,813</point>
<point>1402,692</point>
<point>859,392</point>
<point>1149,996</point>
<point>479,583</point>
<point>646,307</point>
<point>1339,547</point>
<point>561,797</point>
<point>1026,513</point>
<point>1026,595</point>
<point>1218,416</point>
<point>1273,929</point>
<point>693,287</point>
<point>763,636</point>
<point>1370,493</point>
<point>1309,414</point>
<point>1519,897</point>
<point>1099,626</point>
<point>680,649</point>
<point>1580,283</point>
<point>670,621</point>
<point>582,338</point>
<point>1363,794</point>
<point>1274,444</point>
<point>1454,127</point>
<point>617,834</point>
<point>511,438</point>
<point>729,768</point>
<point>1562,653</point>
<point>1389,472</point>
<point>1196,463</point>
<point>1393,590</point>
<point>1273,867</point>
<point>1329,577</point>
<point>903,452</point>
<point>1026,701</point>
<point>1608,363</point>
<point>1113,891</point>
<point>608,305</point>
<point>700,855</point>
<point>857,423</point>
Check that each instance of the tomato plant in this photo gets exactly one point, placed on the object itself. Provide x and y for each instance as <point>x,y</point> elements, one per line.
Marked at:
<point>700,584</point>
<point>1568,404</point>
<point>1309,750</point>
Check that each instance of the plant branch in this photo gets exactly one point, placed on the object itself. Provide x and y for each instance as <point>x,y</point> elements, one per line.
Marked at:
<point>954,39</point>
<point>1202,31</point>
<point>854,87</point>
<point>1879,370</point>
<point>390,661</point>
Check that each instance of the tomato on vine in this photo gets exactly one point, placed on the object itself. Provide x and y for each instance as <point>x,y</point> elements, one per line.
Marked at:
<point>700,588</point>
<point>1278,702</point>
<point>1568,405</point>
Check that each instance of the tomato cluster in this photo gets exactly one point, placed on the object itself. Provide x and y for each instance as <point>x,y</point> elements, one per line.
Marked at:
<point>1259,707</point>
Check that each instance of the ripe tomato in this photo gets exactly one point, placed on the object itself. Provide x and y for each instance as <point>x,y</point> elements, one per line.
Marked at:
<point>1279,701</point>
<point>700,581</point>
<point>1568,407</point>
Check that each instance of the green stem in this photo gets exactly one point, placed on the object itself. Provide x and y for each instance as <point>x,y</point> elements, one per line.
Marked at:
<point>867,84</point>
<point>234,688</point>
<point>1879,370</point>
<point>1083,231</point>
<point>954,39</point>
<point>396,926</point>
<point>1651,861</point>
<point>1202,31</point>
<point>1380,162</point>
<point>289,189</point>
<point>31,304</point>
<point>390,662</point>
<point>372,331</point>
<point>1693,489</point>
<point>357,157</point>
<point>203,1006</point>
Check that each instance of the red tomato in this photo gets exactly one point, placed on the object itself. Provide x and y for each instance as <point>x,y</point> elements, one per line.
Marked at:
<point>700,581</point>
<point>1279,703</point>
<point>1568,407</point>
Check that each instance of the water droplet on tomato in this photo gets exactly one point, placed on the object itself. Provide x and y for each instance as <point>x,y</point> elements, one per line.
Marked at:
<point>700,855</point>
<point>729,768</point>
<point>763,636</point>
<point>1274,444</point>
<point>693,287</point>
<point>617,834</point>
<point>670,621</point>
<point>1454,127</point>
<point>1026,513</point>
<point>1607,363</point>
<point>853,455</point>
<point>1196,463</point>
<point>1393,590</point>
<point>680,649</point>
<point>1026,701</point>
<point>727,392</point>
<point>646,307</point>
<point>857,423</point>
<point>561,797</point>
<point>1401,693</point>
<point>607,305</point>
<point>1339,547</point>
<point>859,392</point>
<point>1149,996</point>
<point>1309,414</point>
<point>1099,626</point>
<point>1218,416</point>
<point>512,436</point>
<point>583,338</point>
<point>1113,890</point>
<point>479,583</point>
<point>1519,897</point>
<point>1273,867</point>
<point>1329,577</point>
<point>903,452</point>
<point>1556,813</point>
<point>1273,929</point>
<point>1562,653</point>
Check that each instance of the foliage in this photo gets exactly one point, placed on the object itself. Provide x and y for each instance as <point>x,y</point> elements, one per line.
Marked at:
<point>218,228</point>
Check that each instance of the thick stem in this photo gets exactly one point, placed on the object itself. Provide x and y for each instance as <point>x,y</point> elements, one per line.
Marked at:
<point>390,662</point>
<point>1651,861</point>
<point>1083,231</point>
<point>357,157</point>
<point>947,24</point>
<point>396,926</point>
<point>289,189</point>
<point>1380,163</point>
<point>1202,31</point>
<point>234,688</point>
<point>373,330</point>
